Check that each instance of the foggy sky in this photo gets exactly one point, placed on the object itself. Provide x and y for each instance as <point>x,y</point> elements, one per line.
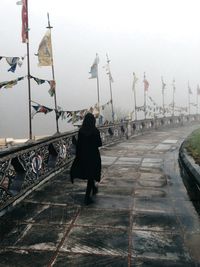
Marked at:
<point>159,37</point>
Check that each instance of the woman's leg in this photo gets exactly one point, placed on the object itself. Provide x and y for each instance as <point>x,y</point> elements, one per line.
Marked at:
<point>95,189</point>
<point>90,186</point>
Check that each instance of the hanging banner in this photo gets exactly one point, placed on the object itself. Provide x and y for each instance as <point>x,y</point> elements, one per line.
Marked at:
<point>24,22</point>
<point>45,51</point>
<point>94,68</point>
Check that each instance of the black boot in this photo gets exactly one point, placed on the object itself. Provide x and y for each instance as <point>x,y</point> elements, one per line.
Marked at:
<point>88,200</point>
<point>90,184</point>
<point>95,190</point>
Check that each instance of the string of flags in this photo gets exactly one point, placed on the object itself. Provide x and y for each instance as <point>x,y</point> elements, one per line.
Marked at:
<point>52,84</point>
<point>13,62</point>
<point>10,84</point>
<point>156,109</point>
<point>71,116</point>
<point>108,72</point>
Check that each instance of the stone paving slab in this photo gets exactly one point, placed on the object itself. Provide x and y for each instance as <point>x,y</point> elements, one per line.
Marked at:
<point>109,218</point>
<point>66,259</point>
<point>94,240</point>
<point>18,258</point>
<point>155,221</point>
<point>141,217</point>
<point>161,245</point>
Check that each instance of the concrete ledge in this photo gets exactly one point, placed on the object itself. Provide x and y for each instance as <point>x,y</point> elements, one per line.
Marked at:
<point>189,164</point>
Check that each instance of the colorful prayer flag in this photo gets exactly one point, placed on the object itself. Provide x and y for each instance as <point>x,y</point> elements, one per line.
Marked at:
<point>45,50</point>
<point>10,84</point>
<point>13,61</point>
<point>41,109</point>
<point>146,84</point>
<point>38,81</point>
<point>24,22</point>
<point>52,87</point>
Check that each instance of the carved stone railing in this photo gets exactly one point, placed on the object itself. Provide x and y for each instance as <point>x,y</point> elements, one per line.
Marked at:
<point>24,168</point>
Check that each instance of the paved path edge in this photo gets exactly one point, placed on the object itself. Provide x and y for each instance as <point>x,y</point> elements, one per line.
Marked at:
<point>189,164</point>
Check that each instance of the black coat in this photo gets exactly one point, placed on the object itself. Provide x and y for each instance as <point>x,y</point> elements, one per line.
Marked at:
<point>87,163</point>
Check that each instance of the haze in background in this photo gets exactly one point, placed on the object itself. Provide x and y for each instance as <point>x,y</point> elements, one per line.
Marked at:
<point>160,37</point>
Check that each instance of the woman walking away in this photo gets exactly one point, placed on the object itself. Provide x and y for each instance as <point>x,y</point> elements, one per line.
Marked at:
<point>88,160</point>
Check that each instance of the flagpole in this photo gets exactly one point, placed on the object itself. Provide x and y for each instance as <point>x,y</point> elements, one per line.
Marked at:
<point>53,73</point>
<point>28,75</point>
<point>163,101</point>
<point>144,99</point>
<point>109,76</point>
<point>173,103</point>
<point>197,101</point>
<point>188,98</point>
<point>98,101</point>
<point>134,92</point>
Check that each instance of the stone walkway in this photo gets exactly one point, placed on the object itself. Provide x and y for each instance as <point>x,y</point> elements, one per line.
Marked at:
<point>141,217</point>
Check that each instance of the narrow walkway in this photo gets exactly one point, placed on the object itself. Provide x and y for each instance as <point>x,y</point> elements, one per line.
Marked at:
<point>141,217</point>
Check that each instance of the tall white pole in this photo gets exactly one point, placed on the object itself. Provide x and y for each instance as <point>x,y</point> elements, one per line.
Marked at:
<point>98,99</point>
<point>173,102</point>
<point>163,97</point>
<point>134,92</point>
<point>110,83</point>
<point>145,104</point>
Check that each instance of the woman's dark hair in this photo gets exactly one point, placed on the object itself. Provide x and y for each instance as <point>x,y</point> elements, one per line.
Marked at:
<point>89,121</point>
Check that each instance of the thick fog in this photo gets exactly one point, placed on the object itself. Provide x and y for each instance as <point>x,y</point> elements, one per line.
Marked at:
<point>158,37</point>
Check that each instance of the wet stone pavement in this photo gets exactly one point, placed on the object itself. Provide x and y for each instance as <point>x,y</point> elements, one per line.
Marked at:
<point>142,215</point>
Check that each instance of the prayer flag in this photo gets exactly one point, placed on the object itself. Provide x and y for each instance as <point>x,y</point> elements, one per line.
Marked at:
<point>108,72</point>
<point>10,84</point>
<point>135,79</point>
<point>45,50</point>
<point>198,90</point>
<point>52,87</point>
<point>173,85</point>
<point>146,84</point>
<point>189,90</point>
<point>13,61</point>
<point>94,68</point>
<point>163,84</point>
<point>41,109</point>
<point>38,81</point>
<point>24,22</point>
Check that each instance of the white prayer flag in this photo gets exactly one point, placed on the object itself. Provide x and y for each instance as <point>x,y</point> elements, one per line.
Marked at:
<point>94,68</point>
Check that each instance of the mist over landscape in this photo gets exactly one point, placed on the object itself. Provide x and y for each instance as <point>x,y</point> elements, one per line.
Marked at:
<point>158,37</point>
